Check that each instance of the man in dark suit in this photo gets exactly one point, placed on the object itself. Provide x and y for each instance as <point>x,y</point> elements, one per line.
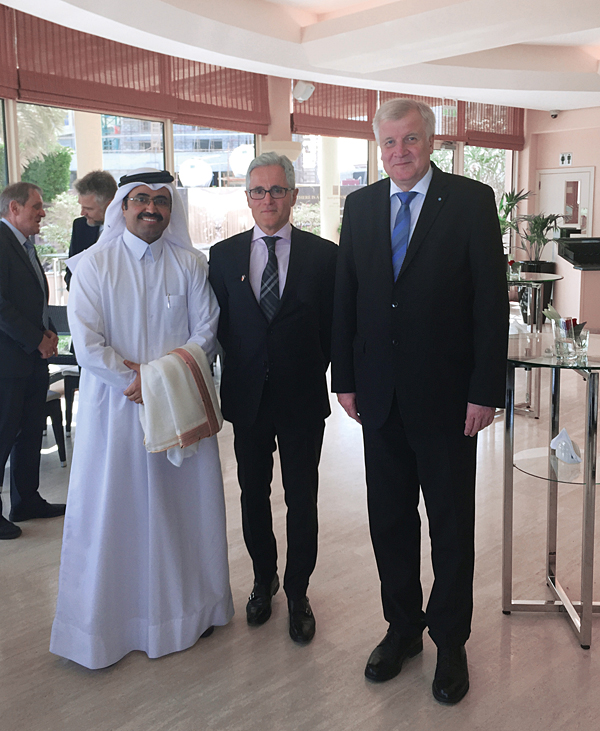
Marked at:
<point>27,340</point>
<point>419,358</point>
<point>96,190</point>
<point>275,286</point>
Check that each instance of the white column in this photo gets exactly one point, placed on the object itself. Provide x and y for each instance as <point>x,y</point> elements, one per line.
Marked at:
<point>329,175</point>
<point>372,164</point>
<point>169,145</point>
<point>11,133</point>
<point>88,142</point>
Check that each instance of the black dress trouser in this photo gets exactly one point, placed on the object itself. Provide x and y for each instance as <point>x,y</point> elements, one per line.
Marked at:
<point>299,453</point>
<point>441,463</point>
<point>22,417</point>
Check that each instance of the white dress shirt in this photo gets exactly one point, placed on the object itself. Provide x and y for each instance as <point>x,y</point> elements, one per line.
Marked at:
<point>416,204</point>
<point>259,255</point>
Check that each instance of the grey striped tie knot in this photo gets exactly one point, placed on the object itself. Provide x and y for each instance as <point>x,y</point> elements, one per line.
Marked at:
<point>269,284</point>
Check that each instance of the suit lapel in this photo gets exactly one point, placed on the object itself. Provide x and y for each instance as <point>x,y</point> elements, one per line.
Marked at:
<point>294,271</point>
<point>22,254</point>
<point>432,205</point>
<point>241,267</point>
<point>380,244</point>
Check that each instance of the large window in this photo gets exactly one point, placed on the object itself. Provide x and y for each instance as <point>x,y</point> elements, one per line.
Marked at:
<point>211,166</point>
<point>488,165</point>
<point>349,157</point>
<point>47,158</point>
<point>444,159</point>
<point>129,144</point>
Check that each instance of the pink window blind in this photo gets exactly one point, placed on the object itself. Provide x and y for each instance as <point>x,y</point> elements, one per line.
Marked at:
<point>336,111</point>
<point>483,125</point>
<point>9,81</point>
<point>220,97</point>
<point>448,113</point>
<point>490,125</point>
<point>67,68</point>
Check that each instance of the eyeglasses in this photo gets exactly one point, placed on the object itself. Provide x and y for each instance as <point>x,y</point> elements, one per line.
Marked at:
<point>161,201</point>
<point>257,194</point>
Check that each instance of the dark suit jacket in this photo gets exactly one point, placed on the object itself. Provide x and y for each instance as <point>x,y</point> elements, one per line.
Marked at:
<point>21,308</point>
<point>82,237</point>
<point>294,349</point>
<point>438,335</point>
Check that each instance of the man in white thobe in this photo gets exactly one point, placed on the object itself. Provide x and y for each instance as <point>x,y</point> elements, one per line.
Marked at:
<point>144,557</point>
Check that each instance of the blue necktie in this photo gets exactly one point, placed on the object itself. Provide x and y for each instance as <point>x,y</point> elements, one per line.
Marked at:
<point>401,232</point>
<point>269,285</point>
<point>30,249</point>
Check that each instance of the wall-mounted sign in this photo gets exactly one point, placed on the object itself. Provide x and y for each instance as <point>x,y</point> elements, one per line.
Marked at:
<point>566,158</point>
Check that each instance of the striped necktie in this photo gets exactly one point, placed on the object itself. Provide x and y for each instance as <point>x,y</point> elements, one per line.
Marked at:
<point>401,232</point>
<point>269,285</point>
<point>30,249</point>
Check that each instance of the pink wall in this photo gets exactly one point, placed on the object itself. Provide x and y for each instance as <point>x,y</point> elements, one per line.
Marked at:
<point>578,132</point>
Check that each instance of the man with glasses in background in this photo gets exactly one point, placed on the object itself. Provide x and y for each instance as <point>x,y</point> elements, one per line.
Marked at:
<point>275,287</point>
<point>96,190</point>
<point>144,559</point>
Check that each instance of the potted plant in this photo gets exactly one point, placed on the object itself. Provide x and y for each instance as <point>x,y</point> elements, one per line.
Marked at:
<point>508,208</point>
<point>535,234</point>
<point>535,231</point>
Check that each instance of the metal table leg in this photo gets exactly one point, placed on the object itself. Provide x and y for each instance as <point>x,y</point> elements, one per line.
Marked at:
<point>507,515</point>
<point>552,511</point>
<point>587,548</point>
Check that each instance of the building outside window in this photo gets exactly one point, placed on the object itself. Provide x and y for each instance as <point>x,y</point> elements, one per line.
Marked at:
<point>129,144</point>
<point>352,159</point>
<point>211,166</point>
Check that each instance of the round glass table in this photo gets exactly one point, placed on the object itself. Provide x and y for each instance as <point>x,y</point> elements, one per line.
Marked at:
<point>536,350</point>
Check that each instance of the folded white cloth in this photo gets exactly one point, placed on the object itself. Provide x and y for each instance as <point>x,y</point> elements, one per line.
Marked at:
<point>180,403</point>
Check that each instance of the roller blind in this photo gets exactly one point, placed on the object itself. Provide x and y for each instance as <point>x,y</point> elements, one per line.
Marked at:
<point>67,68</point>
<point>336,111</point>
<point>9,81</point>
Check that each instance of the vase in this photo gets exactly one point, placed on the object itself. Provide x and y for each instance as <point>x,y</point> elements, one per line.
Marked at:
<point>545,267</point>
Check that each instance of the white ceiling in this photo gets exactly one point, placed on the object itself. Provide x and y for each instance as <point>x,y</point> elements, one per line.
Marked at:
<point>539,54</point>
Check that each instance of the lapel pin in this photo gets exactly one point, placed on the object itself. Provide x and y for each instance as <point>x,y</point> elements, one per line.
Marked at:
<point>243,277</point>
<point>439,199</point>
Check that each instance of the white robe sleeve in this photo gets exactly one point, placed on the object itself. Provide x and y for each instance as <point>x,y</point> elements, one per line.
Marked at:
<point>88,328</point>
<point>203,310</point>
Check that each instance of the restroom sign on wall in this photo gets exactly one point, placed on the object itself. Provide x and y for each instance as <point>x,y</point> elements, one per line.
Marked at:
<point>566,158</point>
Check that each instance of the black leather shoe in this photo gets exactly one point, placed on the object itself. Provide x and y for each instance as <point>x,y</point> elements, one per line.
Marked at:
<point>451,680</point>
<point>42,510</point>
<point>385,662</point>
<point>302,620</point>
<point>207,632</point>
<point>258,609</point>
<point>8,530</point>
